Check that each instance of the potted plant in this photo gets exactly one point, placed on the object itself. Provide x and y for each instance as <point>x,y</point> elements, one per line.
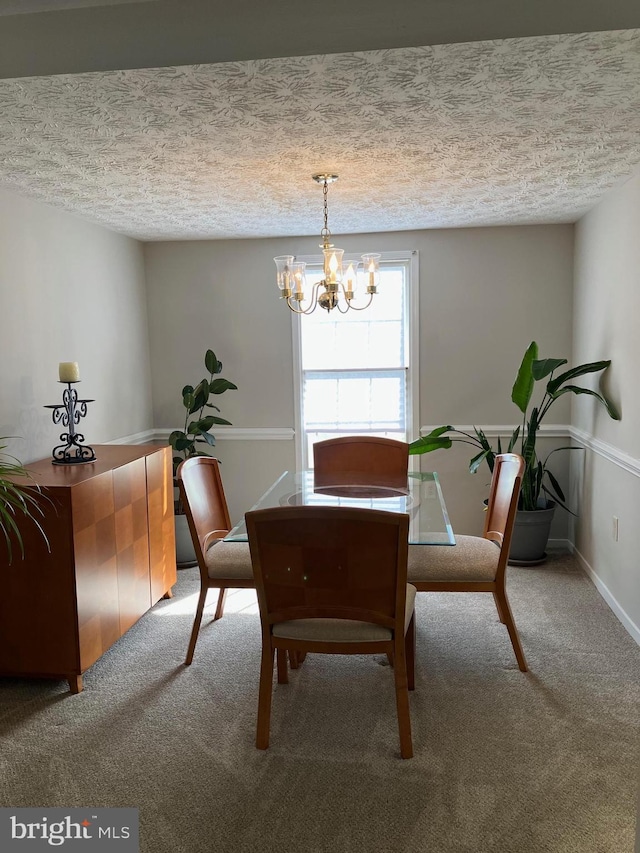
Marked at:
<point>195,438</point>
<point>16,501</point>
<point>540,492</point>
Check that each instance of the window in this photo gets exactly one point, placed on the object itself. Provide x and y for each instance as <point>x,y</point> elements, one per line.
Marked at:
<point>356,371</point>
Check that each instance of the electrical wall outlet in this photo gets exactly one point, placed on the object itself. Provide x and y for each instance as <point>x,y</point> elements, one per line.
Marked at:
<point>614,528</point>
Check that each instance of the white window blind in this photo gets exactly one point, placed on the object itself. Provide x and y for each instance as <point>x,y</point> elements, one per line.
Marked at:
<point>354,366</point>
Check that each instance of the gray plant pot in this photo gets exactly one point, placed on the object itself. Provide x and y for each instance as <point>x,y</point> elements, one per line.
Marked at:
<point>530,536</point>
<point>185,555</point>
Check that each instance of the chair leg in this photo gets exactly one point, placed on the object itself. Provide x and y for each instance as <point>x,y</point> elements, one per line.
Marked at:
<point>196,626</point>
<point>281,658</point>
<point>294,660</point>
<point>504,607</point>
<point>498,607</point>
<point>264,697</point>
<point>410,652</point>
<point>402,702</point>
<point>222,595</point>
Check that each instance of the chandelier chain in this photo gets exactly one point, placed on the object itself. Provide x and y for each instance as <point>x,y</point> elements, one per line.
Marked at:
<point>325,233</point>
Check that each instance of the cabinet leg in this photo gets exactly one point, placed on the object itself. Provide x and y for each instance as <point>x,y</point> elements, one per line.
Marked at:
<point>168,593</point>
<point>75,683</point>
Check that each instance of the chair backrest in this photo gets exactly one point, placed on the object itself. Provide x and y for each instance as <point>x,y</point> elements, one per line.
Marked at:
<point>204,502</point>
<point>361,460</point>
<point>503,499</point>
<point>329,562</point>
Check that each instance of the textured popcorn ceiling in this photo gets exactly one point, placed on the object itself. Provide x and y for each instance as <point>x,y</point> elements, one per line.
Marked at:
<point>19,7</point>
<point>489,133</point>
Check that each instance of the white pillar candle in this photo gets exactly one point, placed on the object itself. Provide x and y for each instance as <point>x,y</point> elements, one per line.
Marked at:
<point>69,371</point>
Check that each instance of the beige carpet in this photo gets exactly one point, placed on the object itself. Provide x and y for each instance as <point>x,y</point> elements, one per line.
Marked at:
<point>504,761</point>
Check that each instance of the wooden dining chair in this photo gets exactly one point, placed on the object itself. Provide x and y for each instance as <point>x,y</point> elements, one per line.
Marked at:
<point>478,563</point>
<point>223,565</point>
<point>333,580</point>
<point>361,460</point>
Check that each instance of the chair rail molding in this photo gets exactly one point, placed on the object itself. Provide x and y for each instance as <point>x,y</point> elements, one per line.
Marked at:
<point>607,451</point>
<point>506,430</point>
<point>145,437</point>
<point>602,448</point>
<point>239,433</point>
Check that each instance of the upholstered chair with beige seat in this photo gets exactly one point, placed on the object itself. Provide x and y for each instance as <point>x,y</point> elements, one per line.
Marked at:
<point>333,580</point>
<point>478,563</point>
<point>223,565</point>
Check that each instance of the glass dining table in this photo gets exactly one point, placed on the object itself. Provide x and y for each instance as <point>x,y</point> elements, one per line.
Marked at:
<point>422,499</point>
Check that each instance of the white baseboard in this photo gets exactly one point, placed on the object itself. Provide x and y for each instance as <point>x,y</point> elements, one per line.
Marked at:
<point>603,589</point>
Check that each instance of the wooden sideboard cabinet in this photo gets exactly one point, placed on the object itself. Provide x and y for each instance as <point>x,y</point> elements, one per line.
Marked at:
<point>112,556</point>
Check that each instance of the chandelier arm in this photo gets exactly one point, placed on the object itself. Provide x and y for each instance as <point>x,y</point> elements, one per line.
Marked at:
<point>312,304</point>
<point>362,307</point>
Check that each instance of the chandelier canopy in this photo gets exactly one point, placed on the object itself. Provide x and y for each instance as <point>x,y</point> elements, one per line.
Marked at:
<point>337,289</point>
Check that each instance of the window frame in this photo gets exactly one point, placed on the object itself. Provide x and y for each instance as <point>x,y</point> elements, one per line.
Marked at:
<point>410,258</point>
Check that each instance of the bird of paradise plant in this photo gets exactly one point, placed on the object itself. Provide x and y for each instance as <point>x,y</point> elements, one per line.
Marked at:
<point>539,485</point>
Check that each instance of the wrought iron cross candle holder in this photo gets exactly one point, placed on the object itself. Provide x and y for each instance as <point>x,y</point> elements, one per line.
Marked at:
<point>73,451</point>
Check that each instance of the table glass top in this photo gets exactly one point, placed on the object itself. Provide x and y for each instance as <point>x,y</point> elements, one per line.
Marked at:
<point>421,499</point>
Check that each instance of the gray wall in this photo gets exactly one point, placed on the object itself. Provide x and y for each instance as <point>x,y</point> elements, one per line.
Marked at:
<point>607,307</point>
<point>485,293</point>
<point>69,291</point>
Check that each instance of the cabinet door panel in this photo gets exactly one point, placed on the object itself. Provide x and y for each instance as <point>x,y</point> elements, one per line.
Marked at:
<point>132,541</point>
<point>94,545</point>
<point>162,534</point>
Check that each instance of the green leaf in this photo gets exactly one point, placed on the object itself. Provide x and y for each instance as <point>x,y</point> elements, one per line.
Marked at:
<point>183,443</point>
<point>211,362</point>
<point>205,424</point>
<point>545,366</point>
<point>513,439</point>
<point>220,421</point>
<point>175,436</point>
<point>219,386</point>
<point>435,440</point>
<point>440,431</point>
<point>202,389</point>
<point>576,389</point>
<point>188,389</point>
<point>188,400</point>
<point>210,439</point>
<point>555,485</point>
<point>484,441</point>
<point>200,396</point>
<point>211,406</point>
<point>523,386</point>
<point>581,370</point>
<point>558,501</point>
<point>477,461</point>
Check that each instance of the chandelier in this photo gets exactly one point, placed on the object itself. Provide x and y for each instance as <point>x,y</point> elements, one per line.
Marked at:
<point>337,289</point>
